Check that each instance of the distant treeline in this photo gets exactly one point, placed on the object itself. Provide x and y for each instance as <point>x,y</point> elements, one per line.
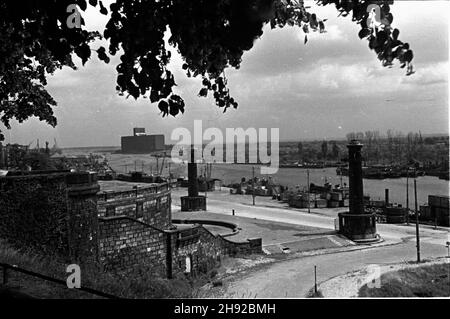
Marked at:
<point>394,147</point>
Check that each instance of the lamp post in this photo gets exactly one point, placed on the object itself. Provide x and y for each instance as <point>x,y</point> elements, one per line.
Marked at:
<point>307,179</point>
<point>407,196</point>
<point>448,252</point>
<point>448,262</point>
<point>417,222</point>
<point>315,280</point>
<point>253,184</point>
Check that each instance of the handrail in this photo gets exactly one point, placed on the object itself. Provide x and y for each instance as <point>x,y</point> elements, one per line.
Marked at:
<point>54,280</point>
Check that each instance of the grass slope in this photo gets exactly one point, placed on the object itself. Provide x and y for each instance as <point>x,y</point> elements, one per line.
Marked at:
<point>141,283</point>
<point>426,281</point>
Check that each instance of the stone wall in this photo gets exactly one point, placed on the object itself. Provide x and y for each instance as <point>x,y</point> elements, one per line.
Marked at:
<point>197,247</point>
<point>126,243</point>
<point>53,213</point>
<point>82,220</point>
<point>203,250</point>
<point>64,214</point>
<point>149,204</point>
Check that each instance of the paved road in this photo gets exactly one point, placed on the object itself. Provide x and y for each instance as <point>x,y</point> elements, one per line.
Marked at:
<point>294,278</point>
<point>271,210</point>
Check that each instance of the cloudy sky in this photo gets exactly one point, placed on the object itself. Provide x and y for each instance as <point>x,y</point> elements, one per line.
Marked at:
<point>322,90</point>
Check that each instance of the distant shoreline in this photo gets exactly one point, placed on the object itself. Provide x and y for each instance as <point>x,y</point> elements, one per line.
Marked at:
<point>340,139</point>
<point>92,147</point>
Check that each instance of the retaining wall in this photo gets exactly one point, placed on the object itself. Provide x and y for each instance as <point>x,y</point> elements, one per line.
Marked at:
<point>65,215</point>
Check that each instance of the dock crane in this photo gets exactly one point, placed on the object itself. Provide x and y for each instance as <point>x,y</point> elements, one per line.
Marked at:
<point>159,171</point>
<point>55,149</point>
<point>29,145</point>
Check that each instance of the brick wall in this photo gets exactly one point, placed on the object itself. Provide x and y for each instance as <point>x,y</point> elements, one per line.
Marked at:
<point>33,212</point>
<point>64,214</point>
<point>150,204</point>
<point>205,250</point>
<point>126,243</point>
<point>52,213</point>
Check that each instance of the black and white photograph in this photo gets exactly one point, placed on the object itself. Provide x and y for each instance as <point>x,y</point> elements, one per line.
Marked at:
<point>224,155</point>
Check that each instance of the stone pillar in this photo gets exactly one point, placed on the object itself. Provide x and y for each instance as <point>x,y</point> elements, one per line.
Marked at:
<point>356,190</point>
<point>192,175</point>
<point>1,156</point>
<point>386,197</point>
<point>356,224</point>
<point>193,202</point>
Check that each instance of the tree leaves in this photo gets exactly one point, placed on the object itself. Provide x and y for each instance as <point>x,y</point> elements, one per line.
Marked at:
<point>163,107</point>
<point>176,105</point>
<point>101,52</point>
<point>173,106</point>
<point>395,34</point>
<point>408,56</point>
<point>84,52</point>
<point>321,26</point>
<point>363,33</point>
<point>381,37</point>
<point>103,10</point>
<point>211,36</point>
<point>35,40</point>
<point>82,4</point>
<point>203,92</point>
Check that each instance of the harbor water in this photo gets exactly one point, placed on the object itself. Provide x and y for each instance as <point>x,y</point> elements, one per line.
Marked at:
<point>292,177</point>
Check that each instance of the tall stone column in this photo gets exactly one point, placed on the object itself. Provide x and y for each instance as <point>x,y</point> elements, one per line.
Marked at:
<point>1,156</point>
<point>193,202</point>
<point>356,224</point>
<point>355,178</point>
<point>192,175</point>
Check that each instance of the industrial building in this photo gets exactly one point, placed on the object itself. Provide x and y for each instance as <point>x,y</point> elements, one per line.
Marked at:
<point>140,142</point>
<point>437,211</point>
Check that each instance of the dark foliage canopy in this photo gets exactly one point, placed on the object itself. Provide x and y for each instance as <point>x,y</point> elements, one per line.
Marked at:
<point>39,37</point>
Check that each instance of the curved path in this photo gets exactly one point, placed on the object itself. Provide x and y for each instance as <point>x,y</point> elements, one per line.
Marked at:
<point>295,277</point>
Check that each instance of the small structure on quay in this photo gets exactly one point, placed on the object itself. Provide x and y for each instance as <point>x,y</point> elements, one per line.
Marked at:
<point>193,202</point>
<point>356,224</point>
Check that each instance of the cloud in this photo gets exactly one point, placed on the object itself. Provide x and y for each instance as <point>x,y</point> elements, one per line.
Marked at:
<point>370,79</point>
<point>429,74</point>
<point>334,33</point>
<point>330,79</point>
<point>66,77</point>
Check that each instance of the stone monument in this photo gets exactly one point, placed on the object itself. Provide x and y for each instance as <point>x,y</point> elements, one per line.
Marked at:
<point>193,202</point>
<point>356,224</point>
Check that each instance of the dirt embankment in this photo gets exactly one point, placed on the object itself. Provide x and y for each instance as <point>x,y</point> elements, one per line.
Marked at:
<point>427,279</point>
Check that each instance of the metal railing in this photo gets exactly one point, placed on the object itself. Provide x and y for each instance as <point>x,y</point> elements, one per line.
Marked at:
<point>6,267</point>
